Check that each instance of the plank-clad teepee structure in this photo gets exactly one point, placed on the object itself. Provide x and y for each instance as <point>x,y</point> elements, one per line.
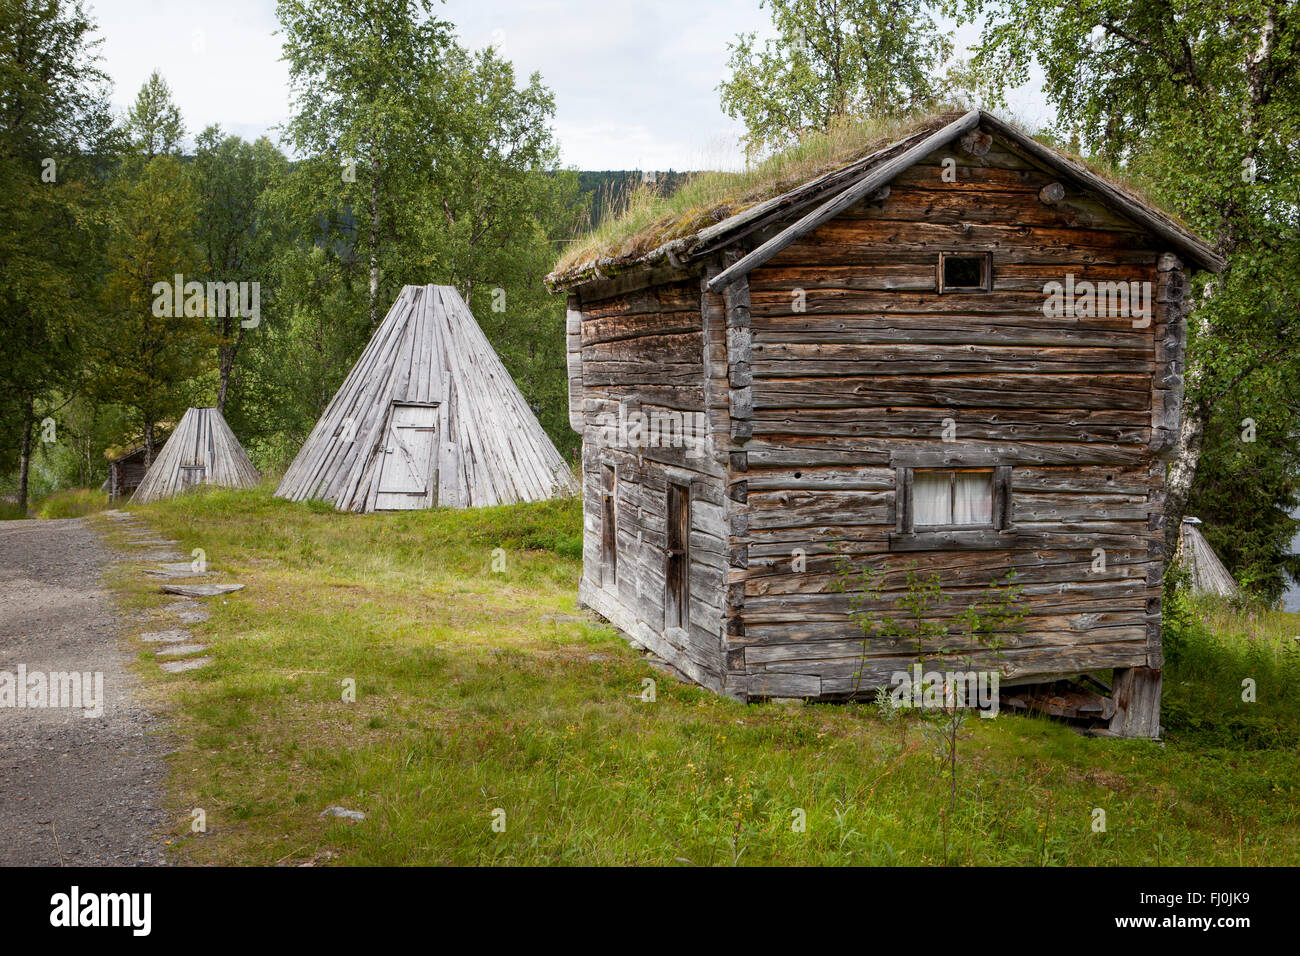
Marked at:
<point>428,416</point>
<point>1206,572</point>
<point>201,451</point>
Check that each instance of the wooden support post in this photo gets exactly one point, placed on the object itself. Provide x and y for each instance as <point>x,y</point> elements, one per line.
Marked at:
<point>1136,691</point>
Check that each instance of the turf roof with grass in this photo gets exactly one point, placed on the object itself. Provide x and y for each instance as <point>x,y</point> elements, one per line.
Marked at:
<point>713,208</point>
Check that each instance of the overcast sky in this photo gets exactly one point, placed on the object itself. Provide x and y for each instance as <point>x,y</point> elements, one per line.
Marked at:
<point>634,82</point>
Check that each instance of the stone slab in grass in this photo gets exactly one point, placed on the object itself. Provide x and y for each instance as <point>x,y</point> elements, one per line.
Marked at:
<point>181,650</point>
<point>343,813</point>
<point>188,610</point>
<point>172,636</point>
<point>200,590</point>
<point>176,569</point>
<point>193,663</point>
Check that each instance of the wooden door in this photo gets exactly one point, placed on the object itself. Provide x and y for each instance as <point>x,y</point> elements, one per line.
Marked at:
<point>407,476</point>
<point>192,476</point>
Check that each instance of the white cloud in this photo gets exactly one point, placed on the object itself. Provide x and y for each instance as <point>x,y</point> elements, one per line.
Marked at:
<point>221,60</point>
<point>634,83</point>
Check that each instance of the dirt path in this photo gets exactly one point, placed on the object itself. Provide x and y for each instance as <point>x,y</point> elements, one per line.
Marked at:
<point>94,783</point>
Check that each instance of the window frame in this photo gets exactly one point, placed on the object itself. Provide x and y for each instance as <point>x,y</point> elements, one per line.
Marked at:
<point>908,537</point>
<point>986,273</point>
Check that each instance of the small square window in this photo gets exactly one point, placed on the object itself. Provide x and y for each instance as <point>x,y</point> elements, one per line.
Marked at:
<point>960,272</point>
<point>952,498</point>
<point>959,505</point>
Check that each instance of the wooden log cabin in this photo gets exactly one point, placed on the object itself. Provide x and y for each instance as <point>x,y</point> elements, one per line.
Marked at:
<point>125,472</point>
<point>925,358</point>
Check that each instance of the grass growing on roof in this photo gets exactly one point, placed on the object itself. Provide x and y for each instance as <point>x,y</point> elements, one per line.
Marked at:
<point>479,691</point>
<point>650,218</point>
<point>647,217</point>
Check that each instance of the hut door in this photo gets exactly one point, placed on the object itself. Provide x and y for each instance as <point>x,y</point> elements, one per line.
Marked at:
<point>407,474</point>
<point>191,476</point>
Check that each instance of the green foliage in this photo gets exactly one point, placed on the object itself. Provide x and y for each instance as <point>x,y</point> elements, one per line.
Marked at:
<point>831,60</point>
<point>1175,609</point>
<point>914,623</point>
<point>153,123</point>
<point>238,236</point>
<point>55,122</point>
<point>421,162</point>
<point>1246,491</point>
<point>71,452</point>
<point>604,194</point>
<point>145,360</point>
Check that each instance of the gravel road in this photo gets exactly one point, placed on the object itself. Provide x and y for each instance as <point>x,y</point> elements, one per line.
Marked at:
<point>75,790</point>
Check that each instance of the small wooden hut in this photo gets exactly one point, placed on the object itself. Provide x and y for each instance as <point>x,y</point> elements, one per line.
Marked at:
<point>428,416</point>
<point>959,352</point>
<point>125,472</point>
<point>201,451</point>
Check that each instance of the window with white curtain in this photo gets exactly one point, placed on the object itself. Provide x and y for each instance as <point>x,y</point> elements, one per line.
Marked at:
<point>951,504</point>
<point>949,498</point>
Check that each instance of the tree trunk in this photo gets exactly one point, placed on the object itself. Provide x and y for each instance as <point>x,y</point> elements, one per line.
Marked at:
<point>225,360</point>
<point>374,241</point>
<point>25,456</point>
<point>148,444</point>
<point>1182,472</point>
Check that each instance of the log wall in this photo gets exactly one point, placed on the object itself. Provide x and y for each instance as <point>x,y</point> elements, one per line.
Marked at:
<point>648,351</point>
<point>855,363</point>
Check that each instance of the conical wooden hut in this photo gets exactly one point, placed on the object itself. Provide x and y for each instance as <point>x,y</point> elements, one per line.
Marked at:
<point>1206,572</point>
<point>201,451</point>
<point>428,416</point>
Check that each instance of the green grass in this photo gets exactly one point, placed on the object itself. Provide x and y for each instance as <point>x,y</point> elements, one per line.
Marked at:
<point>1209,660</point>
<point>472,697</point>
<point>68,503</point>
<point>71,503</point>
